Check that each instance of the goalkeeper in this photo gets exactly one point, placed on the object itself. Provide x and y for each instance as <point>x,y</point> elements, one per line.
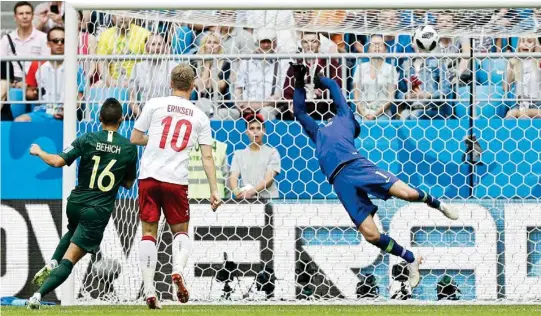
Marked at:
<point>353,176</point>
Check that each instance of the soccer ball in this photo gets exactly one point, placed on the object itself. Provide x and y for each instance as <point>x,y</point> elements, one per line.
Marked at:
<point>426,38</point>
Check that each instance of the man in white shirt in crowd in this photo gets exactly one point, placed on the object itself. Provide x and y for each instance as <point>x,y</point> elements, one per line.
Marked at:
<point>169,127</point>
<point>27,40</point>
<point>256,165</point>
<point>259,81</point>
<point>49,78</point>
<point>151,78</point>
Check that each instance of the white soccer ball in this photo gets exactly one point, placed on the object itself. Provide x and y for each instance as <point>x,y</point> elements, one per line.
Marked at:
<point>426,38</point>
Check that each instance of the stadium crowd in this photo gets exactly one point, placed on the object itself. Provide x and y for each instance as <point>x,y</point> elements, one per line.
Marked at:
<point>378,88</point>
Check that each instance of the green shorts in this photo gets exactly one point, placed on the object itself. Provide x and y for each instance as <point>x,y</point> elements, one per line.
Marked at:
<point>87,223</point>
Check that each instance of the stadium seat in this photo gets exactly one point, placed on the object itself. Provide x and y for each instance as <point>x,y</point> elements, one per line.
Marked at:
<point>492,71</point>
<point>182,40</point>
<point>489,101</point>
<point>96,96</point>
<point>18,108</point>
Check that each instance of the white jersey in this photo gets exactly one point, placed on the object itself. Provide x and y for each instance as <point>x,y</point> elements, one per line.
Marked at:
<point>174,126</point>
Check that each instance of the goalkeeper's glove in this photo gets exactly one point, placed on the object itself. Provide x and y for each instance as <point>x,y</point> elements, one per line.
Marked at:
<point>299,73</point>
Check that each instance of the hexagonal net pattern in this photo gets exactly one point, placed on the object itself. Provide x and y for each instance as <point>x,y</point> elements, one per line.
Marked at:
<point>460,123</point>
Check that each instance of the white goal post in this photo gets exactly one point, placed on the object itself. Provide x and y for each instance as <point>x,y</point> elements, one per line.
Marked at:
<point>291,224</point>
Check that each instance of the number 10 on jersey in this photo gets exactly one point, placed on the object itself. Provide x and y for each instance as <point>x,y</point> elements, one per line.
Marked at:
<point>167,122</point>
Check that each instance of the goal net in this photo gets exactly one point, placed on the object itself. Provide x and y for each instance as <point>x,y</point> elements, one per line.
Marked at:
<point>458,123</point>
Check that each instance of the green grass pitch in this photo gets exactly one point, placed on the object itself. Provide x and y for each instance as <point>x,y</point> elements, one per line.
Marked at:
<point>255,310</point>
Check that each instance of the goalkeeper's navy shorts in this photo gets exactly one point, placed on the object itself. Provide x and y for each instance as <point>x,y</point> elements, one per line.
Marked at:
<point>358,179</point>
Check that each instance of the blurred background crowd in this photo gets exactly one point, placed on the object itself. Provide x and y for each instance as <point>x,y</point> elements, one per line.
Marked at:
<point>228,88</point>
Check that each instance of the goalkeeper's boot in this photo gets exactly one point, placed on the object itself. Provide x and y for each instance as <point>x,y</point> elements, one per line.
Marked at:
<point>182,291</point>
<point>449,211</point>
<point>414,274</point>
<point>153,302</point>
<point>34,302</point>
<point>43,274</point>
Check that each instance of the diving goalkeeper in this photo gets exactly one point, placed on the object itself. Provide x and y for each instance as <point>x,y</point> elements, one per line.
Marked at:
<point>353,176</point>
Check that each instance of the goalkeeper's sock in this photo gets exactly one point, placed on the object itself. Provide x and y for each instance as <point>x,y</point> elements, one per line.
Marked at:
<point>148,255</point>
<point>182,246</point>
<point>389,245</point>
<point>57,277</point>
<point>428,199</point>
<point>62,247</point>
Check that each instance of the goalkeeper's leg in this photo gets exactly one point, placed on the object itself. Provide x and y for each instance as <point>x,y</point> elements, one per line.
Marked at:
<point>403,191</point>
<point>361,209</point>
<point>384,242</point>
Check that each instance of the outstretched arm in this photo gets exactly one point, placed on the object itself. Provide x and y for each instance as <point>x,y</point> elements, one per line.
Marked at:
<point>50,159</point>
<point>299,110</point>
<point>337,96</point>
<point>299,101</point>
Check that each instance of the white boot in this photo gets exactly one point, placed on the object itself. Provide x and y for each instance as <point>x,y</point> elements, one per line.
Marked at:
<point>449,211</point>
<point>35,301</point>
<point>414,274</point>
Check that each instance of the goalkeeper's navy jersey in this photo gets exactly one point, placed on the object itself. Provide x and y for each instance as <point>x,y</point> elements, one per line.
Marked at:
<point>334,141</point>
<point>334,144</point>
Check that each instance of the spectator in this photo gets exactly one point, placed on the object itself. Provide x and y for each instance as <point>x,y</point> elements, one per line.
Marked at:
<point>429,87</point>
<point>212,83</point>
<point>150,78</point>
<point>49,78</point>
<point>198,182</point>
<point>49,15</point>
<point>375,84</point>
<point>6,79</point>
<point>257,165</point>
<point>259,81</point>
<point>27,40</point>
<point>237,40</point>
<point>87,46</point>
<point>526,74</point>
<point>124,38</point>
<point>322,109</point>
<point>400,43</point>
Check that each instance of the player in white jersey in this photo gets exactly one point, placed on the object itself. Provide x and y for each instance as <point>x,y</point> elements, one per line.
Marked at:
<point>169,127</point>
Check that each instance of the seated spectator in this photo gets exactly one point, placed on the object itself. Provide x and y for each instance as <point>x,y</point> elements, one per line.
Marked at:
<point>24,41</point>
<point>49,15</point>
<point>526,75</point>
<point>47,79</point>
<point>452,45</point>
<point>236,40</point>
<point>320,108</point>
<point>6,80</point>
<point>375,84</point>
<point>213,83</point>
<point>429,87</point>
<point>259,81</point>
<point>399,43</point>
<point>124,38</point>
<point>150,78</point>
<point>198,187</point>
<point>87,46</point>
<point>256,165</point>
